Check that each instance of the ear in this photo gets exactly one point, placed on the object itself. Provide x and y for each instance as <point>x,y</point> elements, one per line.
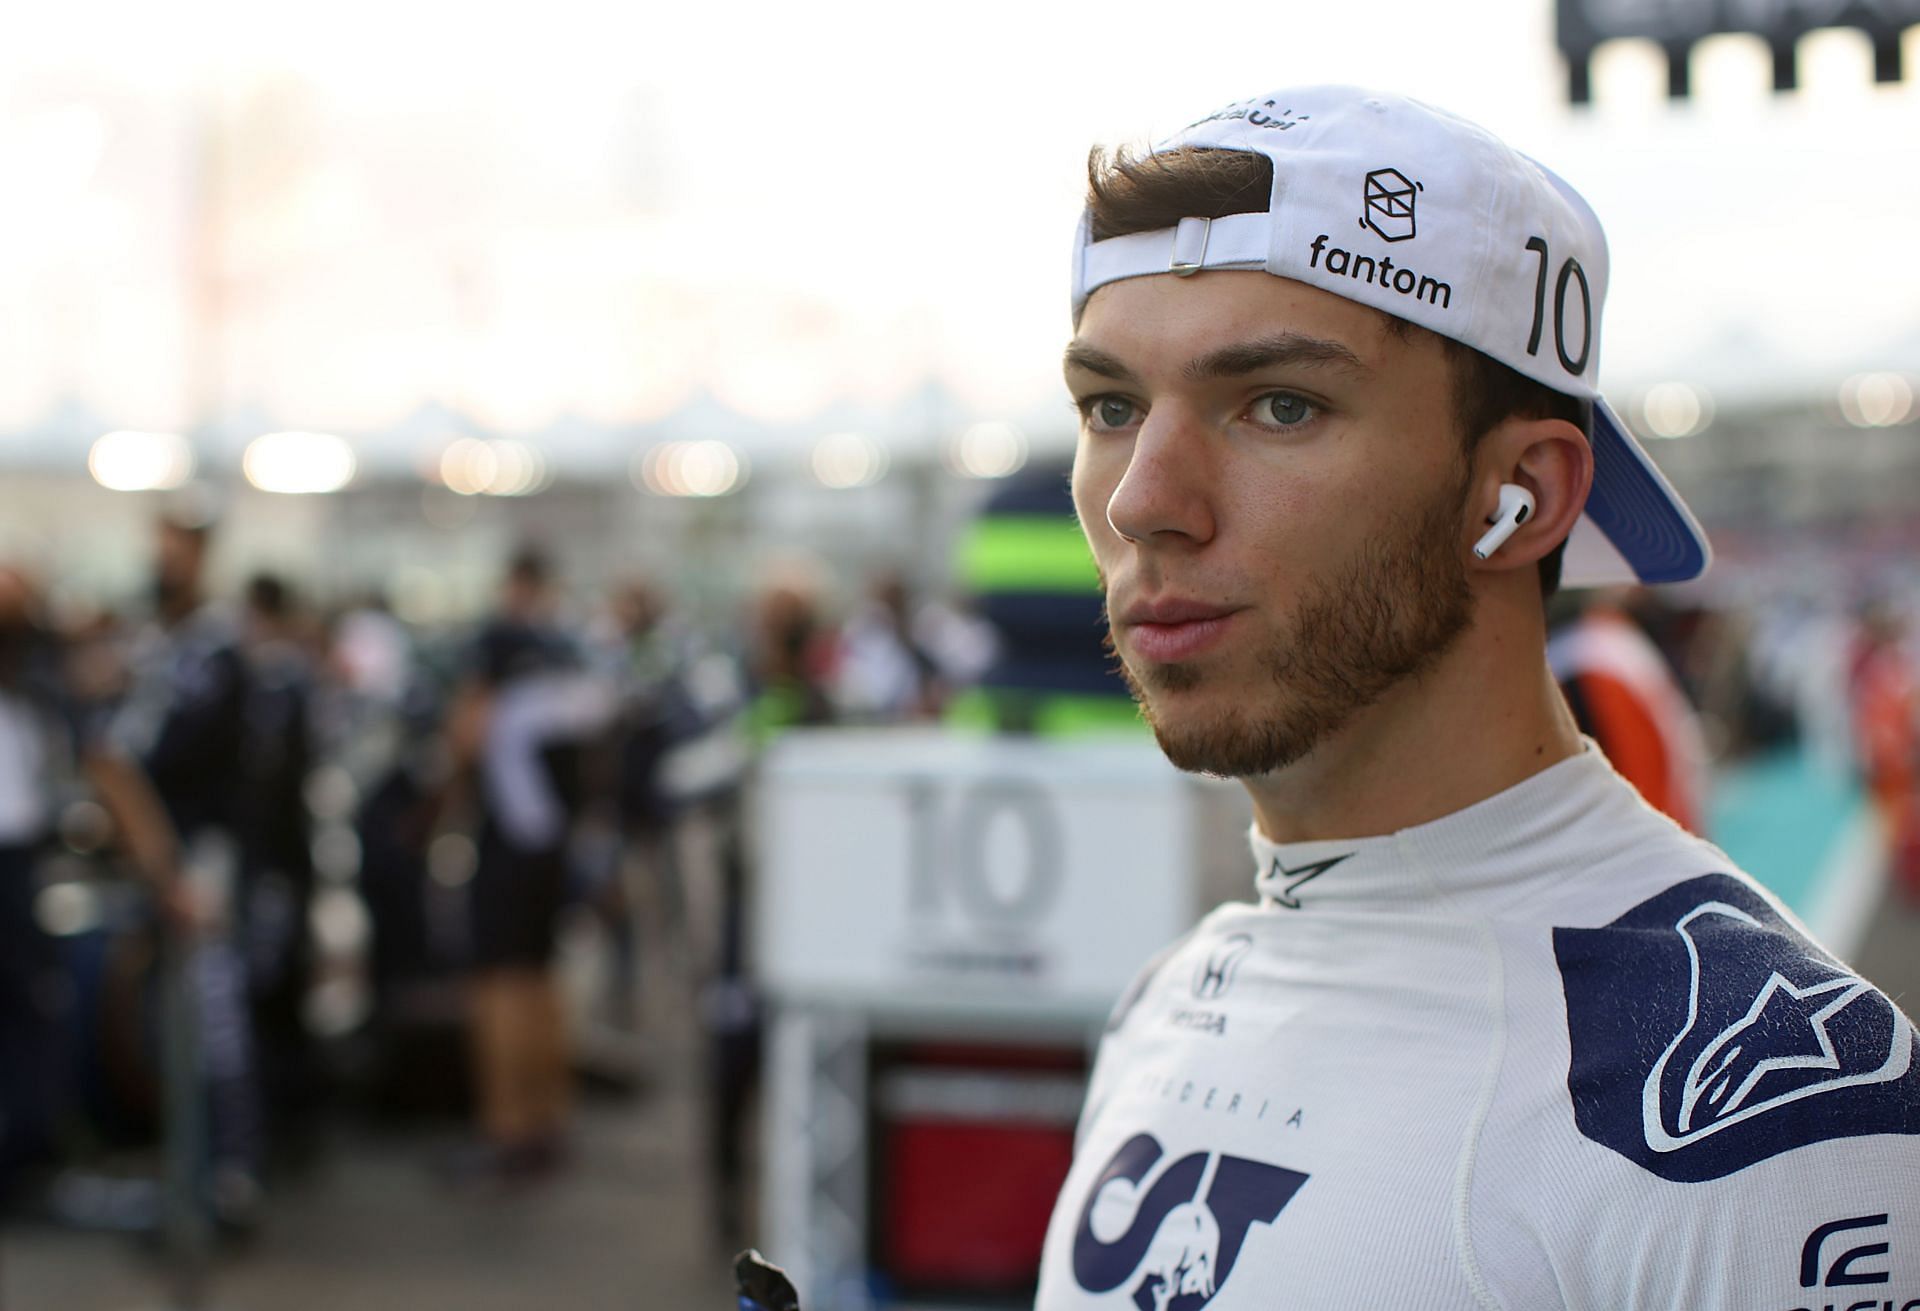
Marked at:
<point>1550,458</point>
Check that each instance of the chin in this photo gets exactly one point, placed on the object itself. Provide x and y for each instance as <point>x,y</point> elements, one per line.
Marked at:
<point>1212,725</point>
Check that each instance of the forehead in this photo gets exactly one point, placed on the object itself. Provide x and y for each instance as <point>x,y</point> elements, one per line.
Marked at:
<point>1167,320</point>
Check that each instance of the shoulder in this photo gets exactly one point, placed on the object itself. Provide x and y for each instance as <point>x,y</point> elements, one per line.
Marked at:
<point>1204,961</point>
<point>1708,1032</point>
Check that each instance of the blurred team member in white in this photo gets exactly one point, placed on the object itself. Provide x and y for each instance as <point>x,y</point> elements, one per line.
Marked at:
<point>1497,1034</point>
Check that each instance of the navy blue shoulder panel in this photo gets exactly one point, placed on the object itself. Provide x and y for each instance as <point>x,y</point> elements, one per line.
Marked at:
<point>1707,1035</point>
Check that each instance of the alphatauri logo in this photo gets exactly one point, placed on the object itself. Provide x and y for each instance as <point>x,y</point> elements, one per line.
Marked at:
<point>1708,1035</point>
<point>1169,1235</point>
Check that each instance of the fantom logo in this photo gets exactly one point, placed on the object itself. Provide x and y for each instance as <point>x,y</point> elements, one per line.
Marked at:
<point>1707,1035</point>
<point>1171,1235</point>
<point>1387,199</point>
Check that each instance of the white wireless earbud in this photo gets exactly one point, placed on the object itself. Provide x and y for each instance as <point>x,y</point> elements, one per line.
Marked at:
<point>1516,507</point>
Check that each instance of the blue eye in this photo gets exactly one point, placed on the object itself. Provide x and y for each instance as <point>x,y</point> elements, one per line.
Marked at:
<point>1108,412</point>
<point>1283,408</point>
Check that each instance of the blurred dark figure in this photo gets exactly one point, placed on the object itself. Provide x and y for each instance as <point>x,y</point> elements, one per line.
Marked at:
<point>276,865</point>
<point>517,731</point>
<point>881,673</point>
<point>30,737</point>
<point>645,657</point>
<point>1886,734</point>
<point>1625,697</point>
<point>790,652</point>
<point>169,764</point>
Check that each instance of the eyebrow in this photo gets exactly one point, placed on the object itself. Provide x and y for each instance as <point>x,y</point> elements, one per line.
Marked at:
<point>1287,348</point>
<point>1094,360</point>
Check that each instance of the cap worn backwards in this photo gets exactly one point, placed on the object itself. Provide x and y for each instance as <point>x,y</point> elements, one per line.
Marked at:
<point>1405,208</point>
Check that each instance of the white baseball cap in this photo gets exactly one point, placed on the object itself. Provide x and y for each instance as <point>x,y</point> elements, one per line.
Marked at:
<point>1427,217</point>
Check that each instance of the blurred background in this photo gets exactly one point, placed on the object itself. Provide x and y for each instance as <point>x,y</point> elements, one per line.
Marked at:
<point>551,717</point>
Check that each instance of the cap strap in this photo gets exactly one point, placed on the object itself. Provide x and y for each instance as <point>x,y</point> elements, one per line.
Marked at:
<point>1236,240</point>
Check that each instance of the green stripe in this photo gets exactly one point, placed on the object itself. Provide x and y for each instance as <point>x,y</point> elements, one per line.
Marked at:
<point>1027,553</point>
<point>1043,714</point>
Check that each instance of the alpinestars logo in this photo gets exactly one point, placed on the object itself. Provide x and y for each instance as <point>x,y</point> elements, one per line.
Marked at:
<point>1282,885</point>
<point>1171,1235</point>
<point>1707,1035</point>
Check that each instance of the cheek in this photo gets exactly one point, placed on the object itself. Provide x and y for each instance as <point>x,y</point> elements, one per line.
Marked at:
<point>1094,479</point>
<point>1299,522</point>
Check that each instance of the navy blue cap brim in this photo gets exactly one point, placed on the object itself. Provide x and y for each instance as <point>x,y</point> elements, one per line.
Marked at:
<point>1637,510</point>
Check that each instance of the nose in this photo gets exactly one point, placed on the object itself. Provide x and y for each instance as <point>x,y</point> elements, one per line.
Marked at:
<point>1166,490</point>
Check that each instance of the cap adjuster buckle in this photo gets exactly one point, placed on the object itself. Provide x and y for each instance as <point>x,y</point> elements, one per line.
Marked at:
<point>1189,247</point>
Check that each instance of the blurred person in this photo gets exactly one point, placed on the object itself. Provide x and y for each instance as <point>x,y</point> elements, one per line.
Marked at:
<point>880,672</point>
<point>790,654</point>
<point>647,653</point>
<point>371,653</point>
<point>1886,731</point>
<point>32,738</point>
<point>1625,697</point>
<point>1498,1033</point>
<point>516,728</point>
<point>167,759</point>
<point>275,894</point>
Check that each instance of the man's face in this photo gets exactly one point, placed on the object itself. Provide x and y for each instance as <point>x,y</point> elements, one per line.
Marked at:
<point>179,556</point>
<point>1290,473</point>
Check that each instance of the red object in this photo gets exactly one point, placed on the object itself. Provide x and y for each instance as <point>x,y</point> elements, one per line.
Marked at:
<point>965,1204</point>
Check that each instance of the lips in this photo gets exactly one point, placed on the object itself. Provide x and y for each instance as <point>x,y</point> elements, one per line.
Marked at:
<point>1172,629</point>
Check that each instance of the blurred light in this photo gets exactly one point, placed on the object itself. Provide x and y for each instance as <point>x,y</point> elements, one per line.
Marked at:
<point>298,463</point>
<point>85,827</point>
<point>1836,66</point>
<point>340,923</point>
<point>704,468</point>
<point>473,467</point>
<point>1732,72</point>
<point>1876,400</point>
<point>522,471</point>
<point>337,1006</point>
<point>451,859</point>
<point>336,854</point>
<point>847,459</point>
<point>1630,73</point>
<point>66,909</point>
<point>140,461</point>
<point>469,466</point>
<point>331,793</point>
<point>1675,409</point>
<point>988,450</point>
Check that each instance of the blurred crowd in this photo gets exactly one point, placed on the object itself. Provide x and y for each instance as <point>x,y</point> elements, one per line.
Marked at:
<point>379,868</point>
<point>388,869</point>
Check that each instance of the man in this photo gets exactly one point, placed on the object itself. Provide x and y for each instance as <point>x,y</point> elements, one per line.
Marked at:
<point>1497,1034</point>
<point>167,762</point>
<point>517,726</point>
<point>1623,695</point>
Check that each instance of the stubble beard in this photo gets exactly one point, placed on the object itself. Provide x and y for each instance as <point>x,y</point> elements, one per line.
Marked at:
<point>1386,617</point>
